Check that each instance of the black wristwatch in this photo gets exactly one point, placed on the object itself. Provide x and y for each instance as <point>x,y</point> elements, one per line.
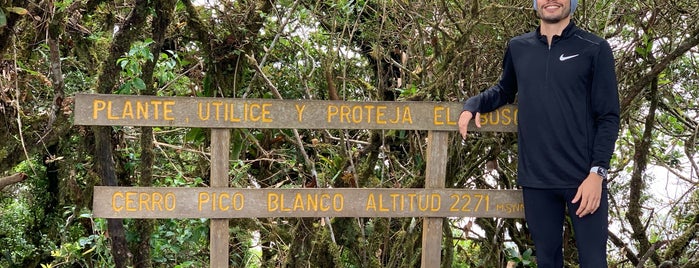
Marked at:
<point>599,171</point>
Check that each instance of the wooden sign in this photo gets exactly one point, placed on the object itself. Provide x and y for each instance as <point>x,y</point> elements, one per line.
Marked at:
<point>219,203</point>
<point>128,110</point>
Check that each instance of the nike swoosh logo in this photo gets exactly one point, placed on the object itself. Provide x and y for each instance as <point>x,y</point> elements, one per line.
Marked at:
<point>565,58</point>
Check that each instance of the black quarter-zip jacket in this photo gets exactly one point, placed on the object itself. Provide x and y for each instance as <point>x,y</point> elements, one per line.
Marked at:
<point>568,105</point>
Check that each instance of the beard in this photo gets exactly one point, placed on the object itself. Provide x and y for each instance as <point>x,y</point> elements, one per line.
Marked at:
<point>553,19</point>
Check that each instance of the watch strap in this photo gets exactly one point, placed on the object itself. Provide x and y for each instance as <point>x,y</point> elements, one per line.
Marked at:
<point>599,171</point>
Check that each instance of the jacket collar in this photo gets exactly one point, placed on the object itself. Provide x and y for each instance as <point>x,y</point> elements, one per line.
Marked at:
<point>568,31</point>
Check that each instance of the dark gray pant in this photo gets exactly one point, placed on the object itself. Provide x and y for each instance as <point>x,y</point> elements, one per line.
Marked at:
<point>544,211</point>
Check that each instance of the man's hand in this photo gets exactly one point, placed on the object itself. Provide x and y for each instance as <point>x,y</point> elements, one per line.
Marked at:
<point>589,195</point>
<point>464,118</point>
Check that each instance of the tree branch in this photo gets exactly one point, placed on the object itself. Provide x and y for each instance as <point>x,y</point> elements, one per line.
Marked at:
<point>310,164</point>
<point>624,248</point>
<point>650,252</point>
<point>12,179</point>
<point>635,89</point>
<point>678,245</point>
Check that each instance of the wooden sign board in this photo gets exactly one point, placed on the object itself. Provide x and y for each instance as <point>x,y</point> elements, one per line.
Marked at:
<point>218,203</point>
<point>128,110</point>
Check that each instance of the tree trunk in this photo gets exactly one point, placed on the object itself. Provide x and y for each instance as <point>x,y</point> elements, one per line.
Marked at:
<point>637,184</point>
<point>144,227</point>
<point>105,169</point>
<point>103,144</point>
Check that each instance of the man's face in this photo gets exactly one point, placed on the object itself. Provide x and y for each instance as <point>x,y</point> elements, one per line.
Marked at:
<point>553,11</point>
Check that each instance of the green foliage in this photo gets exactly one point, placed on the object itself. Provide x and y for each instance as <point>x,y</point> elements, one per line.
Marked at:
<point>23,214</point>
<point>465,254</point>
<point>410,91</point>
<point>195,136</point>
<point>16,245</point>
<point>167,78</point>
<point>80,249</point>
<point>131,65</point>
<point>74,253</point>
<point>525,259</point>
<point>3,18</point>
<point>62,5</point>
<point>180,242</point>
<point>646,46</point>
<point>16,10</point>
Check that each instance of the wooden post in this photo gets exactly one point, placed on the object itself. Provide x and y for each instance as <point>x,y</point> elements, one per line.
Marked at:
<point>219,236</point>
<point>435,174</point>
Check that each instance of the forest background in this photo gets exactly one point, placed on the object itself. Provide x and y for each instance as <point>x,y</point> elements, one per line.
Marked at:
<point>354,50</point>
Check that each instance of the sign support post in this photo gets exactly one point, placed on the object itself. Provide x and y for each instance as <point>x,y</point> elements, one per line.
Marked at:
<point>218,242</point>
<point>434,179</point>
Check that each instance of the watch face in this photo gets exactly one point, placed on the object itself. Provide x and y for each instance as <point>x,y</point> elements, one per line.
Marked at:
<point>602,172</point>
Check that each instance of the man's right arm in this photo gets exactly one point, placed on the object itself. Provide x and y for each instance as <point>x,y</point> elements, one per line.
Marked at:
<point>500,94</point>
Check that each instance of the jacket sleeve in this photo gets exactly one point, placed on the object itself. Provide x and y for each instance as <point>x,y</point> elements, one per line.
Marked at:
<point>605,106</point>
<point>498,95</point>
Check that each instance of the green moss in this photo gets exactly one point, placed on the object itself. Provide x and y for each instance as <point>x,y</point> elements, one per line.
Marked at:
<point>3,153</point>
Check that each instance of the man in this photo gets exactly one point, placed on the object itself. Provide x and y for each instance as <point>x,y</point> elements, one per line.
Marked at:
<point>568,103</point>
